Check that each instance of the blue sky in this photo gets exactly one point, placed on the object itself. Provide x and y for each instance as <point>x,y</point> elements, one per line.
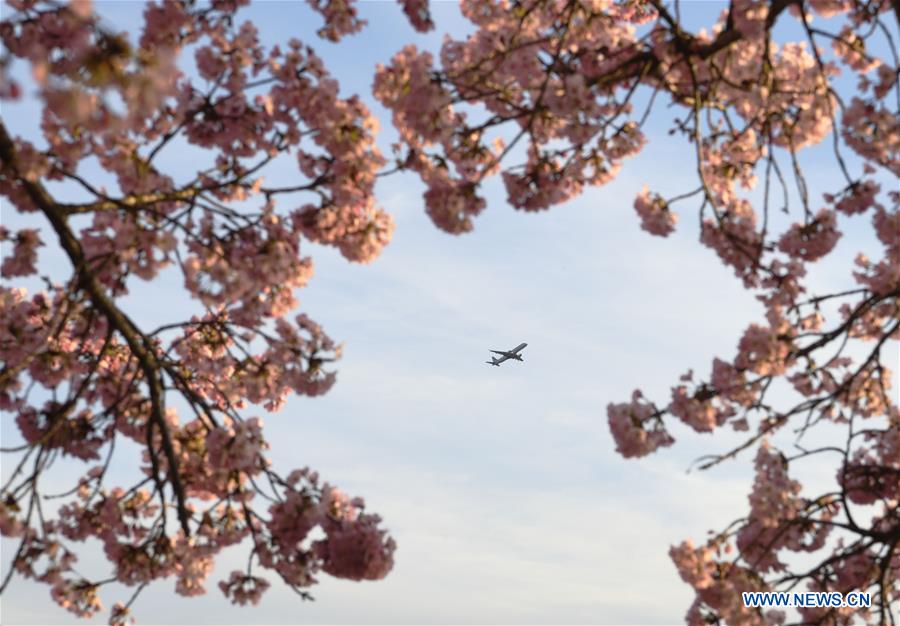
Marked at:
<point>501,485</point>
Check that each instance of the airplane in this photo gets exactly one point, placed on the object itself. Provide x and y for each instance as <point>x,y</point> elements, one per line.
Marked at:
<point>513,354</point>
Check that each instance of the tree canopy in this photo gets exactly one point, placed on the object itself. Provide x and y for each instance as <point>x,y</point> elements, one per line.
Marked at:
<point>552,97</point>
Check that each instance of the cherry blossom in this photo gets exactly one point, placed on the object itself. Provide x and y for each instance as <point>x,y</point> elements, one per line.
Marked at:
<point>558,79</point>
<point>656,218</point>
<point>553,98</point>
<point>236,241</point>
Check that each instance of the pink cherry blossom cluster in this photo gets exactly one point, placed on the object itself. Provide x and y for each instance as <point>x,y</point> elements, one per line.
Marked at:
<point>242,589</point>
<point>120,615</point>
<point>636,427</point>
<point>656,218</point>
<point>24,256</point>
<point>813,240</point>
<point>340,18</point>
<point>872,131</point>
<point>499,66</point>
<point>354,546</point>
<point>127,524</point>
<point>418,13</point>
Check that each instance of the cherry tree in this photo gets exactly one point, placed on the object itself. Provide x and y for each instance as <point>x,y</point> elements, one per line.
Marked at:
<point>549,95</point>
<point>80,374</point>
<point>552,96</point>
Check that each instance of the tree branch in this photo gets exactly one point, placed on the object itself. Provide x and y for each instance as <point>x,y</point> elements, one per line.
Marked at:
<point>139,344</point>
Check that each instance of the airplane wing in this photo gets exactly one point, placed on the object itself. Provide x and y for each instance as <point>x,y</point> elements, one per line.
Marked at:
<point>511,353</point>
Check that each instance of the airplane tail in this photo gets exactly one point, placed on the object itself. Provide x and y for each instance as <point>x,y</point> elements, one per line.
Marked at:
<point>493,363</point>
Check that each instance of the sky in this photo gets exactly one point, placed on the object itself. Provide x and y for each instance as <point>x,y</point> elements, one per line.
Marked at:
<point>501,485</point>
